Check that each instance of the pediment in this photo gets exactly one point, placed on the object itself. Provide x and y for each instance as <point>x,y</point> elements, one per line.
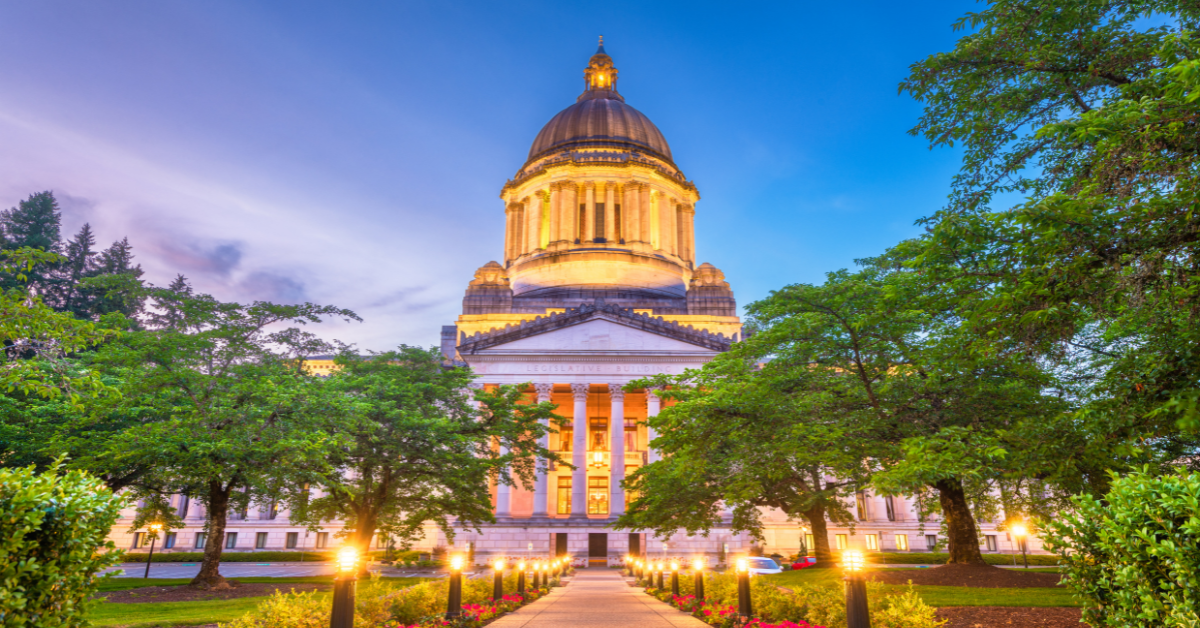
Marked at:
<point>596,335</point>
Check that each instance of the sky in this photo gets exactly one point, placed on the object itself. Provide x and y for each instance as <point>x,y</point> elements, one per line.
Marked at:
<point>352,153</point>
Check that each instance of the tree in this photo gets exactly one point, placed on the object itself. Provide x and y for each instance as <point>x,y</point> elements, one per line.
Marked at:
<point>894,361</point>
<point>1088,111</point>
<point>745,435</point>
<point>227,413</point>
<point>420,448</point>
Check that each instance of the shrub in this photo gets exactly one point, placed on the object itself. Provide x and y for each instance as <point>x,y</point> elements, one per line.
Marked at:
<point>51,528</point>
<point>1135,558</point>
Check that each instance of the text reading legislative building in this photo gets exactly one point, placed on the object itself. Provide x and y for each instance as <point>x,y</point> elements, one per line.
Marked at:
<point>599,286</point>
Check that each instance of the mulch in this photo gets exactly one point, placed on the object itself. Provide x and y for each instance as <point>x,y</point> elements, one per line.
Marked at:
<point>982,576</point>
<point>190,594</point>
<point>1010,617</point>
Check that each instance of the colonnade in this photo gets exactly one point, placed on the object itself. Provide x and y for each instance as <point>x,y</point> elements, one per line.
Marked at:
<point>579,453</point>
<point>590,213</point>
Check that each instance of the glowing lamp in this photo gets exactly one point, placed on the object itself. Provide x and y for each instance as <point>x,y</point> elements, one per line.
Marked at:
<point>347,559</point>
<point>521,566</point>
<point>456,563</point>
<point>154,527</point>
<point>499,564</point>
<point>852,560</point>
<point>743,565</point>
<point>1019,530</point>
<point>698,564</point>
<point>674,566</point>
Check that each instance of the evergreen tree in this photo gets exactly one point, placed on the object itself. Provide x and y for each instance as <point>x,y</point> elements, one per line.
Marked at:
<point>35,223</point>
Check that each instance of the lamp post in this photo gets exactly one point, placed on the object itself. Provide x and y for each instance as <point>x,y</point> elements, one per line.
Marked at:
<point>804,543</point>
<point>343,589</point>
<point>1019,530</point>
<point>660,568</point>
<point>857,614</point>
<point>498,580</point>
<point>521,579</point>
<point>674,578</point>
<point>745,610</point>
<point>454,604</point>
<point>153,532</point>
<point>698,578</point>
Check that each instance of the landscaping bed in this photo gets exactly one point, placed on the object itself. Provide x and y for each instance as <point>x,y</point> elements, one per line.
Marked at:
<point>185,593</point>
<point>981,576</point>
<point>1010,617</point>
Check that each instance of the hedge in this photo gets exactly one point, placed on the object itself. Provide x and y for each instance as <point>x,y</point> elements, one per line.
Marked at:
<point>267,556</point>
<point>51,528</point>
<point>1135,557</point>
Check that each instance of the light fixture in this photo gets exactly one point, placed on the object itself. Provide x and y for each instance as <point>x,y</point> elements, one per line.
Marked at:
<point>698,564</point>
<point>743,565</point>
<point>456,563</point>
<point>499,564</point>
<point>1019,530</point>
<point>347,559</point>
<point>852,560</point>
<point>521,566</point>
<point>674,566</point>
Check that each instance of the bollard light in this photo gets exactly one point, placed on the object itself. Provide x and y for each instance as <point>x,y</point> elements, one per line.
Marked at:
<point>658,568</point>
<point>454,603</point>
<point>745,609</point>
<point>498,580</point>
<point>674,578</point>
<point>344,586</point>
<point>153,528</point>
<point>858,615</point>
<point>1019,530</point>
<point>521,578</point>
<point>698,578</point>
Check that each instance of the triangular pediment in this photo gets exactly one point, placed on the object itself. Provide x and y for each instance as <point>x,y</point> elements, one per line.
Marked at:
<point>597,335</point>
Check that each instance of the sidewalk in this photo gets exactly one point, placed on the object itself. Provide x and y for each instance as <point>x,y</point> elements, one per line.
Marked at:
<point>597,598</point>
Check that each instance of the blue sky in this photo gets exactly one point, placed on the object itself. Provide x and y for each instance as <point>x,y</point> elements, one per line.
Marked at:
<point>352,153</point>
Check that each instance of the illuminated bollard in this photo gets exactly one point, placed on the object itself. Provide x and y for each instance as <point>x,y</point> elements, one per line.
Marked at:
<point>674,578</point>
<point>521,579</point>
<point>659,568</point>
<point>698,578</point>
<point>745,609</point>
<point>344,586</point>
<point>498,581</point>
<point>454,604</point>
<point>857,613</point>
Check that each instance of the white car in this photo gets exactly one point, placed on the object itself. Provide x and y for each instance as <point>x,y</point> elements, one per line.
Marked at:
<point>758,566</point>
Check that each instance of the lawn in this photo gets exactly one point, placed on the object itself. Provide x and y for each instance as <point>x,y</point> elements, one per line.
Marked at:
<point>944,596</point>
<point>187,613</point>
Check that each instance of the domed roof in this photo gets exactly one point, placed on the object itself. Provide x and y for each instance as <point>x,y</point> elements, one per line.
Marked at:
<point>600,118</point>
<point>598,122</point>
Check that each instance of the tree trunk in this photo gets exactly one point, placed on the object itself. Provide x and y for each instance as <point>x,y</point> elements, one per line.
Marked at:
<point>816,519</point>
<point>962,535</point>
<point>361,539</point>
<point>218,512</point>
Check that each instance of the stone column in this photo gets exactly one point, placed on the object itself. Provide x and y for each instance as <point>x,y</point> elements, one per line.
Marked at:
<point>630,210</point>
<point>589,213</point>
<point>610,213</point>
<point>616,420</point>
<point>540,486</point>
<point>533,222</point>
<point>555,212</point>
<point>579,424</point>
<point>508,232</point>
<point>653,405</point>
<point>689,234</point>
<point>666,221</point>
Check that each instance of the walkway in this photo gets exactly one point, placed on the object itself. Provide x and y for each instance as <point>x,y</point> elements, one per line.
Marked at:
<point>597,598</point>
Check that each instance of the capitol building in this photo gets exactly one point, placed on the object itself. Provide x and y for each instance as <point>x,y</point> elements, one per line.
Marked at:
<point>598,284</point>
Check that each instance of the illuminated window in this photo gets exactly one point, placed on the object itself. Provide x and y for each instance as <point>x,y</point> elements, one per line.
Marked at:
<point>597,496</point>
<point>598,428</point>
<point>631,440</point>
<point>860,501</point>
<point>579,226</point>
<point>629,495</point>
<point>564,495</point>
<point>841,541</point>
<point>811,543</point>
<point>872,541</point>
<point>902,542</point>
<point>566,436</point>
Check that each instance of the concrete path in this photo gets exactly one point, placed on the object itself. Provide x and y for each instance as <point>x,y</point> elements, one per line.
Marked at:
<point>597,598</point>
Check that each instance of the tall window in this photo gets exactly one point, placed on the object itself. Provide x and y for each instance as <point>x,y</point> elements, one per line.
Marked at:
<point>810,542</point>
<point>201,540</point>
<point>872,541</point>
<point>631,441</point>
<point>931,541</point>
<point>322,540</point>
<point>581,227</point>
<point>230,540</point>
<point>182,511</point>
<point>292,538</point>
<point>598,437</point>
<point>991,542</point>
<point>841,541</point>
<point>260,540</point>
<point>599,237</point>
<point>860,500</point>
<point>902,542</point>
<point>564,494</point>
<point>566,435</point>
<point>139,540</point>
<point>598,495</point>
<point>891,508</point>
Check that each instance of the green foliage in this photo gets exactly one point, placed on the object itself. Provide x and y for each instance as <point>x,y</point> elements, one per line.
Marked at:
<point>937,558</point>
<point>1135,557</point>
<point>51,528</point>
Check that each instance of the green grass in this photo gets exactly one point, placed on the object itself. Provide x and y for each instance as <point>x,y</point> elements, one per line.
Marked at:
<point>943,596</point>
<point>122,584</point>
<point>928,558</point>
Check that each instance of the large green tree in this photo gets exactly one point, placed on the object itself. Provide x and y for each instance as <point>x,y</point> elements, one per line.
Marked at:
<point>227,414</point>
<point>1075,209</point>
<point>420,447</point>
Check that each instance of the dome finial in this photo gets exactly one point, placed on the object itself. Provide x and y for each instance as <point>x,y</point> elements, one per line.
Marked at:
<point>600,50</point>
<point>600,77</point>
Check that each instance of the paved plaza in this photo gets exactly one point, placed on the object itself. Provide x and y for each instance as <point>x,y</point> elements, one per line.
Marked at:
<point>597,598</point>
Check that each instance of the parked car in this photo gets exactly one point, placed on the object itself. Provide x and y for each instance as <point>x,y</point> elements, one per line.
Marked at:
<point>759,566</point>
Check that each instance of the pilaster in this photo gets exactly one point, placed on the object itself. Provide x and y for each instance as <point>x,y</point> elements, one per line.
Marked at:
<point>579,427</point>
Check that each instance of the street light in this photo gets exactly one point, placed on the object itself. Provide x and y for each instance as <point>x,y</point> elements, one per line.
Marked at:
<point>343,589</point>
<point>498,584</point>
<point>745,610</point>
<point>804,543</point>
<point>1019,530</point>
<point>674,578</point>
<point>857,614</point>
<point>659,568</point>
<point>521,579</point>
<point>698,578</point>
<point>153,528</point>
<point>454,604</point>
